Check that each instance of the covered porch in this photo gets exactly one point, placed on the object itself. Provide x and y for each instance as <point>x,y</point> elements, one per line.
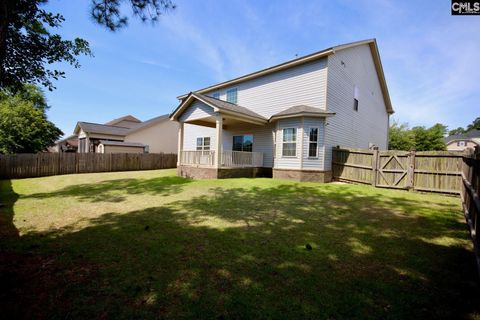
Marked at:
<point>218,156</point>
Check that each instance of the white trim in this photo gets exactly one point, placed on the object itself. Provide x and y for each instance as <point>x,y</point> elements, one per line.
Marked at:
<point>295,141</point>
<point>316,157</point>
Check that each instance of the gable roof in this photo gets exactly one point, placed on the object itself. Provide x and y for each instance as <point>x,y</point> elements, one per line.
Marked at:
<point>372,43</point>
<point>124,118</point>
<point>469,135</point>
<point>217,105</point>
<point>148,123</point>
<point>101,128</point>
<point>301,110</point>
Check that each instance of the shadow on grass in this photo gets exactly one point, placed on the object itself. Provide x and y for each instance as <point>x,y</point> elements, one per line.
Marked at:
<point>240,253</point>
<point>112,190</point>
<point>8,197</point>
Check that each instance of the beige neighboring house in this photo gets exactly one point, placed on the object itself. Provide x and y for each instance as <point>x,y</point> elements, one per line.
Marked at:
<point>460,142</point>
<point>128,135</point>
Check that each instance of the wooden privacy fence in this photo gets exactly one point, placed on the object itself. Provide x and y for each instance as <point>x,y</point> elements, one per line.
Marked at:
<point>438,171</point>
<point>49,164</point>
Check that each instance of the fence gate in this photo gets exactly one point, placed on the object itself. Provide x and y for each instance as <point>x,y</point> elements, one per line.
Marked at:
<point>392,169</point>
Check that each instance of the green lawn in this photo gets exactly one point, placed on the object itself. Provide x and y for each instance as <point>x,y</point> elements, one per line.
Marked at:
<point>152,245</point>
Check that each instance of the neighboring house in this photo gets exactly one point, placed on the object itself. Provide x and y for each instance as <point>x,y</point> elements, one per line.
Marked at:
<point>285,120</point>
<point>460,142</point>
<point>128,135</point>
<point>68,144</point>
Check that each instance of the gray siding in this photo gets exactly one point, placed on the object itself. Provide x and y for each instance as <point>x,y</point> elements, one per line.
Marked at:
<point>192,132</point>
<point>349,128</point>
<point>197,110</point>
<point>270,94</point>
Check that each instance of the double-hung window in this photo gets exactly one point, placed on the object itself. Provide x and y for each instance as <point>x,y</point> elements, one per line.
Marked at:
<point>313,143</point>
<point>232,95</point>
<point>289,143</point>
<point>243,143</point>
<point>203,144</point>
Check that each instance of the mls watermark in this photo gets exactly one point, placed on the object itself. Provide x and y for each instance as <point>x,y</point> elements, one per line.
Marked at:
<point>465,7</point>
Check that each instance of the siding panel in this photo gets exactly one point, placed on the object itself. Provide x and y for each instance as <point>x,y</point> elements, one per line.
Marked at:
<point>270,94</point>
<point>349,128</point>
<point>197,110</point>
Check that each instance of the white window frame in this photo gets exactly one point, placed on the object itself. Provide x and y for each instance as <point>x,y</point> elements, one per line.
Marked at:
<point>203,146</point>
<point>231,91</point>
<point>289,142</point>
<point>313,142</point>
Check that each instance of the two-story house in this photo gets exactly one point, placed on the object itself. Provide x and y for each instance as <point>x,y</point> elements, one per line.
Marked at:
<point>284,120</point>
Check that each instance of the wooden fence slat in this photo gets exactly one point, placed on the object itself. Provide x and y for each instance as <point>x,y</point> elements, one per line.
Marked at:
<point>48,164</point>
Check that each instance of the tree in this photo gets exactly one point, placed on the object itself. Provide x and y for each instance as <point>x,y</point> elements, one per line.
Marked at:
<point>400,137</point>
<point>458,130</point>
<point>474,125</point>
<point>28,46</point>
<point>24,127</point>
<point>430,139</point>
<point>419,138</point>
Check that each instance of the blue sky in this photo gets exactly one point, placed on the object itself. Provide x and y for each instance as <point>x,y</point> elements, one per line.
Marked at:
<point>430,58</point>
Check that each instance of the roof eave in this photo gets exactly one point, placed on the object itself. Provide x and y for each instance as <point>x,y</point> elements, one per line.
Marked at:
<point>250,76</point>
<point>302,114</point>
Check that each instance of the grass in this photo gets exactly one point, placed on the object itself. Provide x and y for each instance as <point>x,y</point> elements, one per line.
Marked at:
<point>152,245</point>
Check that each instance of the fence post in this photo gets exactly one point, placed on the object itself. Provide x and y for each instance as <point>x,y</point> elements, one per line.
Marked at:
<point>411,171</point>
<point>374,166</point>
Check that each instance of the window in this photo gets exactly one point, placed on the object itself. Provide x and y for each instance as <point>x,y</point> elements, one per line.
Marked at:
<point>313,143</point>
<point>356,94</point>
<point>203,144</point>
<point>461,143</point>
<point>289,145</point>
<point>232,95</point>
<point>216,95</point>
<point>243,143</point>
<point>355,104</point>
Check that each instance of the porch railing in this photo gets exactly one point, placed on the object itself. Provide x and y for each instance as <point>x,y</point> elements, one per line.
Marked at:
<point>200,158</point>
<point>229,159</point>
<point>241,159</point>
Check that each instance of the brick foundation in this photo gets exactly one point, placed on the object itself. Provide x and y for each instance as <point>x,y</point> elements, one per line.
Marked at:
<point>303,175</point>
<point>222,173</point>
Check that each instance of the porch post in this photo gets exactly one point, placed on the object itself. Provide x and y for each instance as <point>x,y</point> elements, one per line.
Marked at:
<point>180,143</point>
<point>219,133</point>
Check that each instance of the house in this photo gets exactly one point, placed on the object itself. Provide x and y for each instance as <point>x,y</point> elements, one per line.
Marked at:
<point>128,135</point>
<point>283,121</point>
<point>68,144</point>
<point>460,142</point>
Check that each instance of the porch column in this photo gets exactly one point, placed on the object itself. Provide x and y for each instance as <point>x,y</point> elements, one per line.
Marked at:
<point>180,143</point>
<point>219,133</point>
